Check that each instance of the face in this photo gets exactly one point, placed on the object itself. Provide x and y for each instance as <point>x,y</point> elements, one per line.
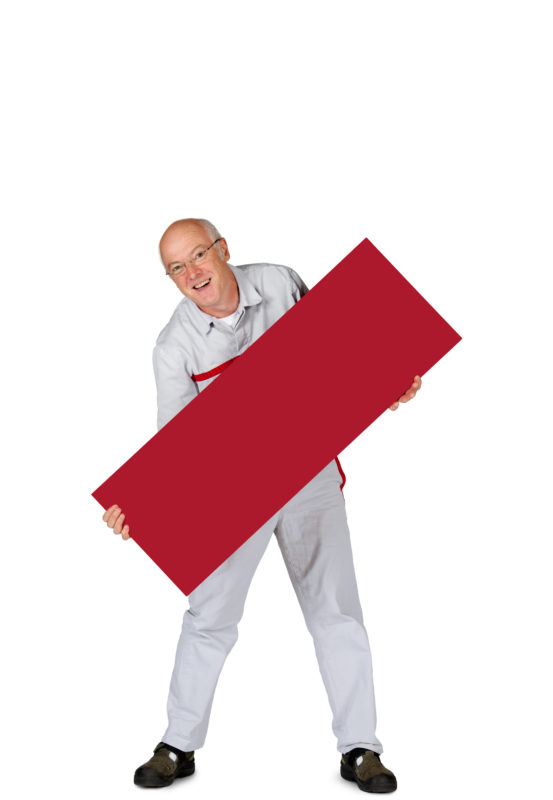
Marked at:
<point>211,284</point>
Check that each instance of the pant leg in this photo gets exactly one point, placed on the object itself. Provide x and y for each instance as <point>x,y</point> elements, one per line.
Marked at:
<point>313,536</point>
<point>209,631</point>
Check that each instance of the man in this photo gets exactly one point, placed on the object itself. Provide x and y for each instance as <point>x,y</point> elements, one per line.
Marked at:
<point>225,308</point>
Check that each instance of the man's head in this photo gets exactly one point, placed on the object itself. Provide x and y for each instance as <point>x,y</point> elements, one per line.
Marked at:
<point>198,266</point>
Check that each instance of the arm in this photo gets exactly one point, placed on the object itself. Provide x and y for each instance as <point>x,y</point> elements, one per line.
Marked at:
<point>299,288</point>
<point>175,387</point>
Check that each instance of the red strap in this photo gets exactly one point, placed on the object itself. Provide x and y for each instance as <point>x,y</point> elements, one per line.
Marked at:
<point>203,376</point>
<point>342,473</point>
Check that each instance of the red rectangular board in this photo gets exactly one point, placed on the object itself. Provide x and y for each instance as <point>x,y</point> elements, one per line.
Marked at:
<point>282,411</point>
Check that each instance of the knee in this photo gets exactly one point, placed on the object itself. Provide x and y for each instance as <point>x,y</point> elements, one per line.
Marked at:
<point>204,631</point>
<point>335,624</point>
<point>213,622</point>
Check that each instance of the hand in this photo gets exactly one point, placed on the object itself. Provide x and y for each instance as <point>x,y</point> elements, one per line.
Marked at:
<point>409,394</point>
<point>114,519</point>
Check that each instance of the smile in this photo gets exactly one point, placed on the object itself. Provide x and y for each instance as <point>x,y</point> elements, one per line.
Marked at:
<point>202,284</point>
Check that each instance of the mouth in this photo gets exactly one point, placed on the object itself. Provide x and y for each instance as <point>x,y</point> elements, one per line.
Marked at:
<point>202,285</point>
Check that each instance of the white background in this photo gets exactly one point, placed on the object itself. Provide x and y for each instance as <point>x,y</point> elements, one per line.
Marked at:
<point>299,129</point>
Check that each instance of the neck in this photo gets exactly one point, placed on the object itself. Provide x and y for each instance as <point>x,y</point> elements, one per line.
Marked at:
<point>229,304</point>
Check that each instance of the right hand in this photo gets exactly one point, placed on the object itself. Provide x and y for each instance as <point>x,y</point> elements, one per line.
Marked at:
<point>114,519</point>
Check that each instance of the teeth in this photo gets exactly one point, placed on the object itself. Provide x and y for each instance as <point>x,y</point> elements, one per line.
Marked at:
<point>199,285</point>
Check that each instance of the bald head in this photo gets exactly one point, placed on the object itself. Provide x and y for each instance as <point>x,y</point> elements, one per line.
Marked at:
<point>184,228</point>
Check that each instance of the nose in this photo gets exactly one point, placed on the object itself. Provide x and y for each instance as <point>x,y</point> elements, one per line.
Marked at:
<point>193,272</point>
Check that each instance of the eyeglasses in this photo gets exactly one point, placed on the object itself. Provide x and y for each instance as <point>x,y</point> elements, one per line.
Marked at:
<point>178,269</point>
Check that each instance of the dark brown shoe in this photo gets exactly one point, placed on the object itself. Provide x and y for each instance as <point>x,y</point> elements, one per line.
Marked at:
<point>364,767</point>
<point>166,764</point>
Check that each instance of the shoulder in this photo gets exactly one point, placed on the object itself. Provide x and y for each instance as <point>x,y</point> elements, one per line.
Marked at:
<point>172,337</point>
<point>167,333</point>
<point>268,275</point>
<point>264,270</point>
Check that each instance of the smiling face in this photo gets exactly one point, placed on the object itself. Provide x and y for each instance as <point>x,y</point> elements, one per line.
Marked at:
<point>211,284</point>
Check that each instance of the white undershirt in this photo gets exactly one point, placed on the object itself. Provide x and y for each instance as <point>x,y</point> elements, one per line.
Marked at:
<point>232,319</point>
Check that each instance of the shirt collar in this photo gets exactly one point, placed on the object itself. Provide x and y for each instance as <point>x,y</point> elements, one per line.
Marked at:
<point>249,296</point>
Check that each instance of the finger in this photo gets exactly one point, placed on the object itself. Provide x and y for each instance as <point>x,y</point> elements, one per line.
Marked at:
<point>125,533</point>
<point>107,512</point>
<point>394,406</point>
<point>118,527</point>
<point>112,519</point>
<point>407,396</point>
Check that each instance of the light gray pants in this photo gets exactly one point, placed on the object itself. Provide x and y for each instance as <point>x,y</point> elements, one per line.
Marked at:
<point>313,536</point>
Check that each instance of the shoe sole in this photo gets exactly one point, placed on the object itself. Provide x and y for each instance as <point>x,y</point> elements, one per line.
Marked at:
<point>385,787</point>
<point>150,779</point>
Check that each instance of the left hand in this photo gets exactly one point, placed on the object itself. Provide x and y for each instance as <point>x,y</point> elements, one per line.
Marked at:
<point>409,394</point>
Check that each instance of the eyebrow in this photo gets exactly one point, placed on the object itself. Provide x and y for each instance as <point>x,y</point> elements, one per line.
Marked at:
<point>198,246</point>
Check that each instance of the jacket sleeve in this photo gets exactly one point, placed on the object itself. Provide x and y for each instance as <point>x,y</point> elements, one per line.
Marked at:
<point>175,387</point>
<point>298,286</point>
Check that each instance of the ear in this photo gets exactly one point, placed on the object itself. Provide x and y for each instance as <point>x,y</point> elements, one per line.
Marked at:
<point>225,254</point>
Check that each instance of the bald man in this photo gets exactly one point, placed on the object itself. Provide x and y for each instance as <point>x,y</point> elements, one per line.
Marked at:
<point>225,308</point>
